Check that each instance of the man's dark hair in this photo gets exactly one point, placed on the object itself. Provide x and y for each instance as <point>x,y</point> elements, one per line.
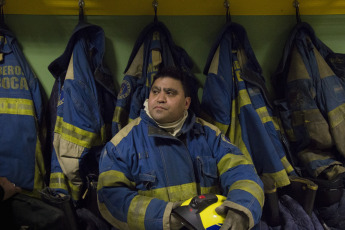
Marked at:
<point>175,73</point>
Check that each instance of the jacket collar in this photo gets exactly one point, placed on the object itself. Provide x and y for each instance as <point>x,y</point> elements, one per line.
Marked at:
<point>154,130</point>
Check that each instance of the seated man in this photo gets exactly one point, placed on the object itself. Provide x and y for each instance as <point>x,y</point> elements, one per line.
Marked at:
<point>166,156</point>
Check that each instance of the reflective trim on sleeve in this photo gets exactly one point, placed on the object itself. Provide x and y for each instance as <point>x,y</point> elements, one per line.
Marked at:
<point>136,212</point>
<point>76,135</point>
<point>110,218</point>
<point>57,181</point>
<point>17,106</point>
<point>243,98</point>
<point>264,115</point>
<point>235,134</point>
<point>229,161</point>
<point>288,167</point>
<point>114,178</point>
<point>250,187</point>
<point>280,177</point>
<point>336,116</point>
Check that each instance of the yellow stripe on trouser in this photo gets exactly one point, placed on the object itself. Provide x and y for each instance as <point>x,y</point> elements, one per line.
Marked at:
<point>77,135</point>
<point>17,106</point>
<point>136,212</point>
<point>250,187</point>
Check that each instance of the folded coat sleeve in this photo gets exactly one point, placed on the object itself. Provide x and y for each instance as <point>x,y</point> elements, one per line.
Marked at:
<point>119,202</point>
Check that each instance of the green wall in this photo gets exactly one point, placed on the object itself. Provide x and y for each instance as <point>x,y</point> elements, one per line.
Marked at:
<point>44,38</point>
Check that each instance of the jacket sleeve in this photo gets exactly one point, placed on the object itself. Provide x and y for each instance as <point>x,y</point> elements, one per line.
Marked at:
<point>238,178</point>
<point>118,200</point>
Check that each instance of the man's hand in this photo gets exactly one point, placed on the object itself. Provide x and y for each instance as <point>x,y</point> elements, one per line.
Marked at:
<point>9,188</point>
<point>175,224</point>
<point>234,219</point>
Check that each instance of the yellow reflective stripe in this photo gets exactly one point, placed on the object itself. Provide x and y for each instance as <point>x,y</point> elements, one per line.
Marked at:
<point>76,135</point>
<point>114,178</point>
<point>310,184</point>
<point>136,212</point>
<point>263,114</point>
<point>17,106</point>
<point>250,187</point>
<point>213,190</point>
<point>277,124</point>
<point>280,177</point>
<point>209,125</point>
<point>172,193</point>
<point>336,116</point>
<point>75,190</point>
<point>110,218</point>
<point>119,114</point>
<point>235,134</point>
<point>288,167</point>
<point>230,161</point>
<point>57,181</point>
<point>243,98</point>
<point>124,132</point>
<point>223,127</point>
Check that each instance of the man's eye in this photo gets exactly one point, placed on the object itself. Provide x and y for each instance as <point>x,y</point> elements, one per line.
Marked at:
<point>155,91</point>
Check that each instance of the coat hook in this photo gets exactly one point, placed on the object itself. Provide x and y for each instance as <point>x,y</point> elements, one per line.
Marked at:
<point>296,5</point>
<point>155,6</point>
<point>227,6</point>
<point>81,10</point>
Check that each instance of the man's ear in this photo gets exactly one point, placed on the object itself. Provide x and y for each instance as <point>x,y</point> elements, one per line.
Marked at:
<point>188,101</point>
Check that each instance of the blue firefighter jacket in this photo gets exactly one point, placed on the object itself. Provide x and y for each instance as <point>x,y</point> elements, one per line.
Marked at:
<point>144,169</point>
<point>153,48</point>
<point>312,102</point>
<point>21,159</point>
<point>235,99</point>
<point>84,109</point>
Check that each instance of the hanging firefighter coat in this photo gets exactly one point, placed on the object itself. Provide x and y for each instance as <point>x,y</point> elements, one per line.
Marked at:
<point>312,103</point>
<point>236,100</point>
<point>84,109</point>
<point>21,159</point>
<point>154,48</point>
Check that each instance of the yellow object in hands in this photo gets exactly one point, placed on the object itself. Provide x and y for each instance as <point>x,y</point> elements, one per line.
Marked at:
<point>199,212</point>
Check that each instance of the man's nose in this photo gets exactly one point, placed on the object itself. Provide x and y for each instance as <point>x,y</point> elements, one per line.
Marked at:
<point>161,97</point>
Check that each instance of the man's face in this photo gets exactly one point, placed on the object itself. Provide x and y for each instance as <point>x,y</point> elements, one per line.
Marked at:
<point>167,101</point>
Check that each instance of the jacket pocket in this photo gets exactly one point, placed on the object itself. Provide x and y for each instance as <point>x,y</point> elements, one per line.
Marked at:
<point>207,168</point>
<point>147,180</point>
